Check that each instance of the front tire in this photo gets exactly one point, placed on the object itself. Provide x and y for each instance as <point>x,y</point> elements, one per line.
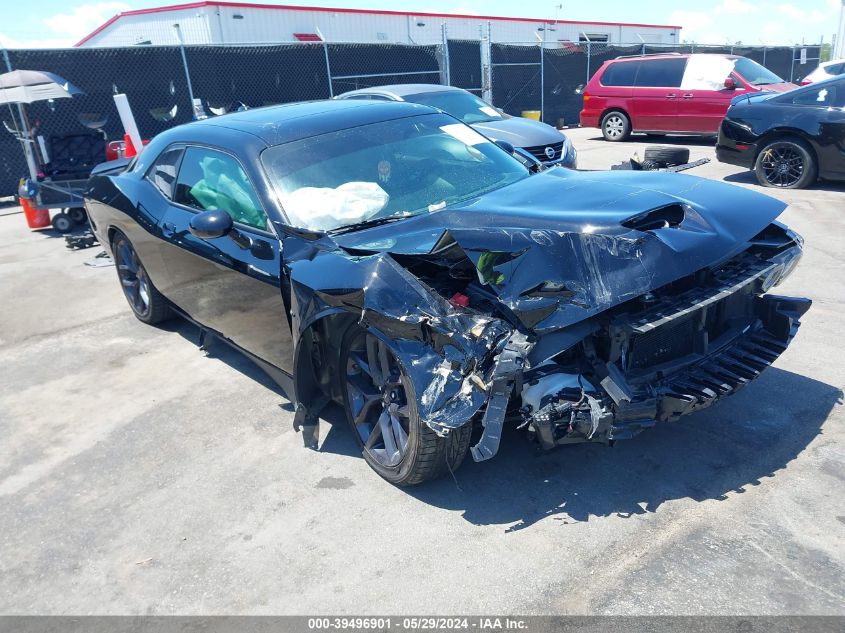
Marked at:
<point>786,164</point>
<point>380,406</point>
<point>615,126</point>
<point>147,303</point>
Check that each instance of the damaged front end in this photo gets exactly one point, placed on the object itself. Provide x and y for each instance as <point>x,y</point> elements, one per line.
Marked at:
<point>579,333</point>
<point>669,352</point>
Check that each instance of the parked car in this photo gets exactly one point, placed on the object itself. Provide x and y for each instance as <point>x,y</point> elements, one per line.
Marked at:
<point>390,258</point>
<point>670,93</point>
<point>545,143</point>
<point>825,70</point>
<point>789,140</point>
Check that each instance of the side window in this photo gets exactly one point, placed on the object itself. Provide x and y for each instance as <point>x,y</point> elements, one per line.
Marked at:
<point>209,179</point>
<point>661,73</point>
<point>162,173</point>
<point>826,95</point>
<point>620,74</point>
<point>836,69</point>
<point>369,97</point>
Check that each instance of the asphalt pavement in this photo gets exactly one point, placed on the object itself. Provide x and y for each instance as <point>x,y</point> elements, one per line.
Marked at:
<point>139,475</point>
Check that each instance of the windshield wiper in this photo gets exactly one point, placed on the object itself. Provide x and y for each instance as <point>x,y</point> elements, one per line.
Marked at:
<point>365,224</point>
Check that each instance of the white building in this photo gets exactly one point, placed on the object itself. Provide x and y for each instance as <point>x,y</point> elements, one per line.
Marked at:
<point>243,23</point>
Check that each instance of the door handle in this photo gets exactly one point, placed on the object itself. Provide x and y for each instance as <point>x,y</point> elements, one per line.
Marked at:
<point>688,95</point>
<point>671,95</point>
<point>168,229</point>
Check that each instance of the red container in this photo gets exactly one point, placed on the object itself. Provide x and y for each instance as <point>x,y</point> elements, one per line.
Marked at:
<point>35,218</point>
<point>114,150</point>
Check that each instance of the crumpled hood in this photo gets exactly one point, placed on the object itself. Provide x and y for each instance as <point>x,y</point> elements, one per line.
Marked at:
<point>588,238</point>
<point>520,132</point>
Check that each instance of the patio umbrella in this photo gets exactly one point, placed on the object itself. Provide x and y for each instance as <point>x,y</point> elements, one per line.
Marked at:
<point>26,86</point>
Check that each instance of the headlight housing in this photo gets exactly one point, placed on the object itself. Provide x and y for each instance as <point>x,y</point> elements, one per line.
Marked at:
<point>568,153</point>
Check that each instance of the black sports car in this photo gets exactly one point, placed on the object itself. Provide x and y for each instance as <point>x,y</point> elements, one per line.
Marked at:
<point>790,139</point>
<point>390,258</point>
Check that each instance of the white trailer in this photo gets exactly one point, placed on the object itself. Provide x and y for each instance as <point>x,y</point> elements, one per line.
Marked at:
<point>244,23</point>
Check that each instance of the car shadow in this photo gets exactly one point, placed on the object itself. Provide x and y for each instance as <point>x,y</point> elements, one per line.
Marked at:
<point>224,352</point>
<point>707,456</point>
<point>749,178</point>
<point>336,437</point>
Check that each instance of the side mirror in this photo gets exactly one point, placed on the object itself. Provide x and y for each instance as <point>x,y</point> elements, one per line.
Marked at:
<point>506,146</point>
<point>730,84</point>
<point>210,224</point>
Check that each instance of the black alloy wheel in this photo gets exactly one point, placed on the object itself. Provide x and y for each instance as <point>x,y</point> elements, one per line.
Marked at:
<point>146,302</point>
<point>786,164</point>
<point>380,406</point>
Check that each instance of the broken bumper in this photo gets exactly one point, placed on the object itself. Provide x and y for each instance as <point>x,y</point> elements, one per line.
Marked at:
<point>630,405</point>
<point>677,357</point>
<point>718,375</point>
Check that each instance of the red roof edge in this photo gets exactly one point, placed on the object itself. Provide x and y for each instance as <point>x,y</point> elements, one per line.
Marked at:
<point>250,5</point>
<point>172,7</point>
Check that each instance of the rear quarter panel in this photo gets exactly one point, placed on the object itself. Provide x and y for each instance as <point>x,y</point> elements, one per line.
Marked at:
<point>125,203</point>
<point>603,98</point>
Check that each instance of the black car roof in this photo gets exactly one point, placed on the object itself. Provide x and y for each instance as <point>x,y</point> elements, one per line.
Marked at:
<point>289,122</point>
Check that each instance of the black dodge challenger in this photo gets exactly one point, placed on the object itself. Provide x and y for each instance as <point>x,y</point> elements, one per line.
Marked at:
<point>392,259</point>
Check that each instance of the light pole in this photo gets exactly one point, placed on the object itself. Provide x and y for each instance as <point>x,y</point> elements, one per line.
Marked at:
<point>546,27</point>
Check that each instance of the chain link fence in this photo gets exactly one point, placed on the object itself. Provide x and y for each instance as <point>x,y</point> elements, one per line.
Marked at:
<point>161,80</point>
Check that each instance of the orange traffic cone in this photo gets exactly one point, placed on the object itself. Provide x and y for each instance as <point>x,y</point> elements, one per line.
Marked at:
<point>129,147</point>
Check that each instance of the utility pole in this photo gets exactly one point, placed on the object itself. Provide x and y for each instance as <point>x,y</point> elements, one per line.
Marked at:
<point>185,67</point>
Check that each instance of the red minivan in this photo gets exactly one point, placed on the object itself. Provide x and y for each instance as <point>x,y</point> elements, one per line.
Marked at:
<point>670,93</point>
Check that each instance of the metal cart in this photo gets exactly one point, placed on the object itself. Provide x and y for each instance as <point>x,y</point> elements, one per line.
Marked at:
<point>66,196</point>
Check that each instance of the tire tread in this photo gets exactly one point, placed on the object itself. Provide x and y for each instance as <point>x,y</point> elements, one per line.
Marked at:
<point>666,156</point>
<point>434,455</point>
<point>160,310</point>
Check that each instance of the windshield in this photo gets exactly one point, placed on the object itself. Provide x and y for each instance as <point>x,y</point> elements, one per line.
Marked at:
<point>461,105</point>
<point>388,169</point>
<point>754,73</point>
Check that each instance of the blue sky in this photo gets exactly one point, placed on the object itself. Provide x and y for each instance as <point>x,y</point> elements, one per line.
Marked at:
<point>63,22</point>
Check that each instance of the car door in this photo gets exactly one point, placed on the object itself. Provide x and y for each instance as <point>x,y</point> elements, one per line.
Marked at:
<point>230,284</point>
<point>704,97</point>
<point>656,93</point>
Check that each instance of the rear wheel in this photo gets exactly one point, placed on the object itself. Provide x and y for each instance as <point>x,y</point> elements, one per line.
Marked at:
<point>786,164</point>
<point>615,126</point>
<point>380,406</point>
<point>78,215</point>
<point>146,302</point>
